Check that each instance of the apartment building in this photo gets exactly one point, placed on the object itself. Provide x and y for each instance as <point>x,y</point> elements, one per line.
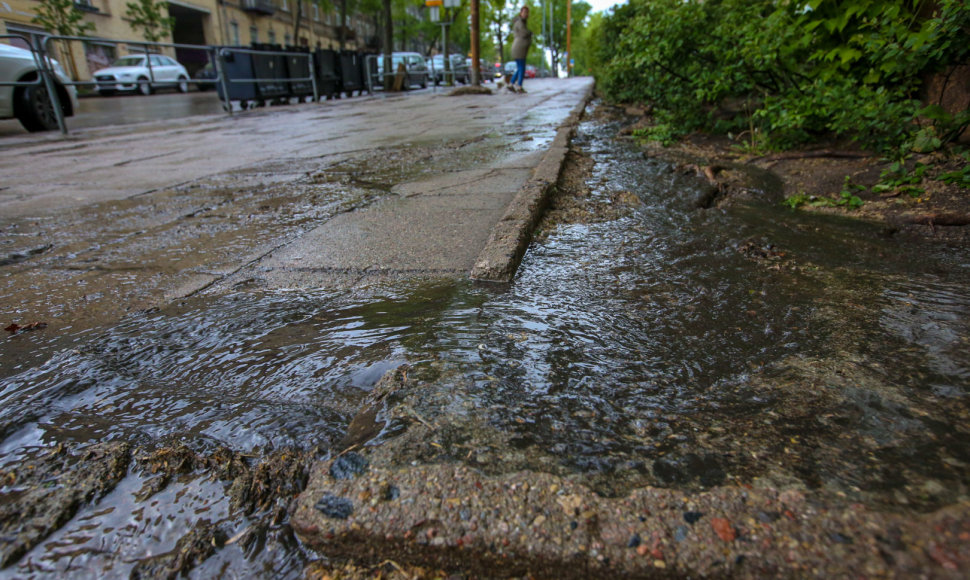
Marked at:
<point>197,22</point>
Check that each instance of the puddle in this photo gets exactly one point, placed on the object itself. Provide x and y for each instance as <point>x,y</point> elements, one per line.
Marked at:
<point>672,347</point>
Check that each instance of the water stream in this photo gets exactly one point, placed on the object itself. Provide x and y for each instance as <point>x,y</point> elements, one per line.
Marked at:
<point>671,347</point>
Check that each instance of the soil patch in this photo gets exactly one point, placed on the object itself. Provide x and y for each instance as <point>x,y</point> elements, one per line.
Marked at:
<point>925,207</point>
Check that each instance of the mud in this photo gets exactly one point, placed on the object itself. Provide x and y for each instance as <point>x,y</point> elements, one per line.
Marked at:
<point>786,474</point>
<point>43,493</point>
<point>464,460</point>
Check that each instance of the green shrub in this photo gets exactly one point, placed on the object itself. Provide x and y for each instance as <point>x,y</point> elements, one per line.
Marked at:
<point>851,68</point>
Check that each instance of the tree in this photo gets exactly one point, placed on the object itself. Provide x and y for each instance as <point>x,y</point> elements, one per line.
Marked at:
<point>555,40</point>
<point>151,18</point>
<point>62,18</point>
<point>496,16</point>
<point>324,5</point>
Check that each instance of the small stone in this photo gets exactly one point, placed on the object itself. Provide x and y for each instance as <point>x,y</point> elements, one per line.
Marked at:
<point>348,466</point>
<point>768,517</point>
<point>390,492</point>
<point>659,564</point>
<point>840,538</point>
<point>723,529</point>
<point>643,549</point>
<point>680,534</point>
<point>635,541</point>
<point>335,507</point>
<point>692,517</point>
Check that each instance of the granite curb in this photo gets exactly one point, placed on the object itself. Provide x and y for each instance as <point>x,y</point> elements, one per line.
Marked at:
<point>510,237</point>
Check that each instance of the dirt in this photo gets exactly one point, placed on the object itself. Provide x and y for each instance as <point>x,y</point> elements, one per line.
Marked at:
<point>927,209</point>
<point>457,500</point>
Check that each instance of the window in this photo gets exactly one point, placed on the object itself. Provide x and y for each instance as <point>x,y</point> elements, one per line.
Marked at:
<point>286,39</point>
<point>234,33</point>
<point>253,34</point>
<point>285,5</point>
<point>316,12</point>
<point>272,36</point>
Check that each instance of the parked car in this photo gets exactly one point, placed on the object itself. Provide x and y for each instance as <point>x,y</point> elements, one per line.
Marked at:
<point>133,73</point>
<point>510,68</point>
<point>530,71</point>
<point>206,73</point>
<point>459,69</point>
<point>32,105</point>
<point>416,69</point>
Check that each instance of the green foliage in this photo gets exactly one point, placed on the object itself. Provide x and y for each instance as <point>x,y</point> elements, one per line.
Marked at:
<point>848,196</point>
<point>960,177</point>
<point>61,17</point>
<point>151,18</point>
<point>898,178</point>
<point>846,199</point>
<point>852,68</point>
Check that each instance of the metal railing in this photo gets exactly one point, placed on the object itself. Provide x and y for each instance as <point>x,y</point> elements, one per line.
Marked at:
<point>224,80</point>
<point>215,55</point>
<point>45,77</point>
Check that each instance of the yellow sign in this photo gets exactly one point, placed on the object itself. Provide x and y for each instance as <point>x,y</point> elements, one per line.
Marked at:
<point>432,2</point>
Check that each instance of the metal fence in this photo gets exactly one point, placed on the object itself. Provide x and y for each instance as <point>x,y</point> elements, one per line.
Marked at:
<point>45,78</point>
<point>277,72</point>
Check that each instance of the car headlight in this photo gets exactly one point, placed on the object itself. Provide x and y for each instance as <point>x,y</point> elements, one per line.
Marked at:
<point>126,75</point>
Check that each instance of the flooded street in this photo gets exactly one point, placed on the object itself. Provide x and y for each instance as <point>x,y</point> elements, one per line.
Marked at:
<point>650,343</point>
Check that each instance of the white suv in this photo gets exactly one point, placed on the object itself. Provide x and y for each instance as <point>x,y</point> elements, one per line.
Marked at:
<point>132,73</point>
<point>31,104</point>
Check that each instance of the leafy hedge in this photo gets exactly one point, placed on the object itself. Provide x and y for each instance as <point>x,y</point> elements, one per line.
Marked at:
<point>789,70</point>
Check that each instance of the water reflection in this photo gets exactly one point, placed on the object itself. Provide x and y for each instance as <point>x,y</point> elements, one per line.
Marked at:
<point>661,348</point>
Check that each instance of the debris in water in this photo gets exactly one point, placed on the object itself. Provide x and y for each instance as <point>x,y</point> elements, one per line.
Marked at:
<point>335,507</point>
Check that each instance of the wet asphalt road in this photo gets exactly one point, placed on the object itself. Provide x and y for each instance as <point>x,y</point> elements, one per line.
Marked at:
<point>108,221</point>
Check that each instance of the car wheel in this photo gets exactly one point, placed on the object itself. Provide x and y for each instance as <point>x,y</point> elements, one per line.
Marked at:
<point>183,85</point>
<point>144,87</point>
<point>35,110</point>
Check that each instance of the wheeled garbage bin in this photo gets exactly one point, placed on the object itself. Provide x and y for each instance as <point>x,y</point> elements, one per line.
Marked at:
<point>327,64</point>
<point>270,71</point>
<point>352,72</point>
<point>298,67</point>
<point>238,69</point>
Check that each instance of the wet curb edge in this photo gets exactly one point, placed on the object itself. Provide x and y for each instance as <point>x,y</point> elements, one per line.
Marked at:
<point>510,237</point>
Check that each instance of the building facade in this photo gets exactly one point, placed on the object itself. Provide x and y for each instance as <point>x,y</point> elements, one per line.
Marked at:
<point>196,22</point>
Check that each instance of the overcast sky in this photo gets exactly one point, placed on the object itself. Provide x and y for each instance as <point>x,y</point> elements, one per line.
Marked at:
<point>600,5</point>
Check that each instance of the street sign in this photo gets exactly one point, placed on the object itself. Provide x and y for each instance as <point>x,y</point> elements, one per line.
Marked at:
<point>452,3</point>
<point>432,3</point>
<point>434,13</point>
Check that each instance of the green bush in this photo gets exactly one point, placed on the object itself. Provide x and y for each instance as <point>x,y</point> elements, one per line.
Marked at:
<point>851,68</point>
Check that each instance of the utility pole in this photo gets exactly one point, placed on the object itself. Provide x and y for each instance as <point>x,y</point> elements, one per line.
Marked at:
<point>569,38</point>
<point>476,63</point>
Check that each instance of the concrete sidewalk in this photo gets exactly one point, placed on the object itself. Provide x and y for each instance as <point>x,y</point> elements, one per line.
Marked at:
<point>103,222</point>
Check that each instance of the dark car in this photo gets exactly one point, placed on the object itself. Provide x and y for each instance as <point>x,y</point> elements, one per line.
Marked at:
<point>416,70</point>
<point>206,73</point>
<point>458,70</point>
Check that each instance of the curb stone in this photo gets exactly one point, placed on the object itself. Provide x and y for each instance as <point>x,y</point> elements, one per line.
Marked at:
<point>455,518</point>
<point>510,237</point>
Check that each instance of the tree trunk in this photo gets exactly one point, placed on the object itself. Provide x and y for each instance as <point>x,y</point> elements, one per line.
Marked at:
<point>297,21</point>
<point>476,63</point>
<point>342,33</point>
<point>388,48</point>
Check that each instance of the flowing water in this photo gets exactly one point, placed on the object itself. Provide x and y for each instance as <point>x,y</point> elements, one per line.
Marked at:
<point>672,346</point>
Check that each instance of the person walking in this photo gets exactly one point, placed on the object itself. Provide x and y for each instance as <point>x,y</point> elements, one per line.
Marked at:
<point>522,39</point>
